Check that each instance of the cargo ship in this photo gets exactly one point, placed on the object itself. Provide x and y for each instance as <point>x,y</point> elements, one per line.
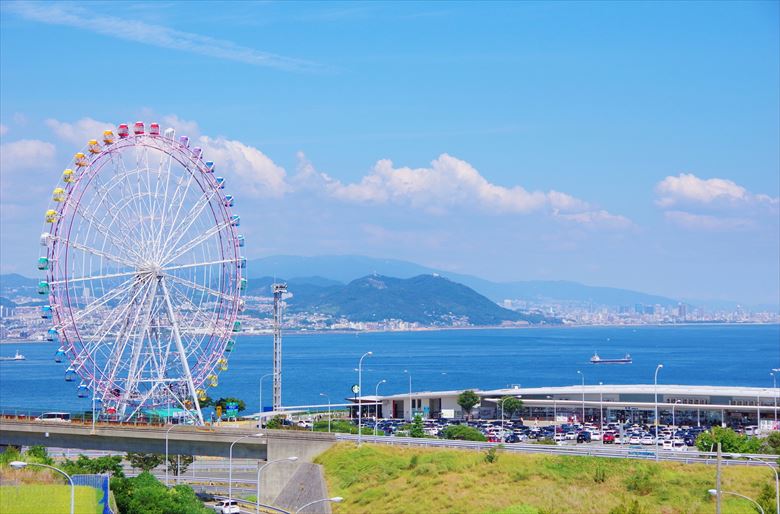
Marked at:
<point>598,360</point>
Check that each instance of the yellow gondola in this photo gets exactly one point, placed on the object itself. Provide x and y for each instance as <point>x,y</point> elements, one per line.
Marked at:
<point>58,195</point>
<point>67,176</point>
<point>51,216</point>
<point>108,137</point>
<point>222,364</point>
<point>213,380</point>
<point>93,146</point>
<point>80,159</point>
<point>201,394</point>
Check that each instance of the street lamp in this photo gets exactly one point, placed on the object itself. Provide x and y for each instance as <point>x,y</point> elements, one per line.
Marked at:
<point>675,403</point>
<point>376,407</point>
<point>17,464</point>
<point>360,391</point>
<point>410,394</point>
<point>583,394</point>
<point>261,468</point>
<point>167,463</point>
<point>774,388</point>
<point>714,492</point>
<point>328,397</point>
<point>655,389</point>
<point>230,462</point>
<point>555,415</point>
<point>335,499</point>
<point>260,414</point>
<point>770,466</point>
<point>601,410</point>
<point>505,398</point>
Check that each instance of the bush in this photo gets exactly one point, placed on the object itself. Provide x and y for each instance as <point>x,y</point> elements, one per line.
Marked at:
<point>40,454</point>
<point>462,433</point>
<point>145,494</point>
<point>599,475</point>
<point>628,508</point>
<point>730,441</point>
<point>491,455</point>
<point>641,482</point>
<point>772,443</point>
<point>85,466</point>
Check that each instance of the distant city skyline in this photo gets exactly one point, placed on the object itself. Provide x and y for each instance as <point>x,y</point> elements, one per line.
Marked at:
<point>630,145</point>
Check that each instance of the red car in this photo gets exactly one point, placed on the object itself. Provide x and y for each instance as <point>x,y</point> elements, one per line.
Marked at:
<point>608,438</point>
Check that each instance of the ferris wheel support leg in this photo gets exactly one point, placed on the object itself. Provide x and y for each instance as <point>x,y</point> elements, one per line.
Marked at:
<point>182,354</point>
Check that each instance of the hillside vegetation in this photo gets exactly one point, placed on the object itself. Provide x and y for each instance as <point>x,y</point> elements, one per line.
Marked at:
<point>384,479</point>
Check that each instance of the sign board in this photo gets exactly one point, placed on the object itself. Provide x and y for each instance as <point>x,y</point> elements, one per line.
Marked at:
<point>218,409</point>
<point>448,413</point>
<point>231,409</point>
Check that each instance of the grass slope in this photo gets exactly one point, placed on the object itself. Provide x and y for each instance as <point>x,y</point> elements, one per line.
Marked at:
<point>383,479</point>
<point>49,499</point>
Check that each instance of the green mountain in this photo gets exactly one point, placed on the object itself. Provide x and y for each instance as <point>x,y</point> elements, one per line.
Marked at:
<point>426,299</point>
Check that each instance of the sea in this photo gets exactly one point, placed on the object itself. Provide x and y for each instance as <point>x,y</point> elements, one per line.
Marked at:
<point>314,363</point>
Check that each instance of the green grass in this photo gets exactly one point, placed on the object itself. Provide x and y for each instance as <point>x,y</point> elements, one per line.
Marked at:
<point>384,479</point>
<point>49,499</point>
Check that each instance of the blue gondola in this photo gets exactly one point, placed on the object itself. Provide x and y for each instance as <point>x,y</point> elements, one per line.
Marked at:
<point>235,220</point>
<point>229,347</point>
<point>52,335</point>
<point>220,182</point>
<point>236,326</point>
<point>229,201</point>
<point>83,391</point>
<point>43,287</point>
<point>242,262</point>
<point>241,241</point>
<point>43,263</point>
<point>46,311</point>
<point>70,375</point>
<point>210,166</point>
<point>59,355</point>
<point>242,284</point>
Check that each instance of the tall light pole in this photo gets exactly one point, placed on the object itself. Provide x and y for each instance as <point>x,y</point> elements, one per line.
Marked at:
<point>601,410</point>
<point>583,394</point>
<point>411,417</point>
<point>376,407</point>
<point>261,468</point>
<point>335,499</point>
<point>675,403</point>
<point>774,394</point>
<point>260,415</point>
<point>555,415</point>
<point>715,492</point>
<point>360,391</point>
<point>655,389</point>
<point>17,464</point>
<point>328,397</point>
<point>167,464</point>
<point>230,462</point>
<point>505,398</point>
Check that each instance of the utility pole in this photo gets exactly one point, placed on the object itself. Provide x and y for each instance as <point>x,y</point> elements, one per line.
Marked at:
<point>717,482</point>
<point>279,290</point>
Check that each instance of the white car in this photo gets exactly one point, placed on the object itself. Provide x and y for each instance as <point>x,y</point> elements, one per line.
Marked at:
<point>57,417</point>
<point>227,507</point>
<point>635,439</point>
<point>558,437</point>
<point>666,444</point>
<point>595,435</point>
<point>571,436</point>
<point>648,440</point>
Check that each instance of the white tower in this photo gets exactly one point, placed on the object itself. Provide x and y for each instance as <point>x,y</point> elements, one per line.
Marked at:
<point>279,290</point>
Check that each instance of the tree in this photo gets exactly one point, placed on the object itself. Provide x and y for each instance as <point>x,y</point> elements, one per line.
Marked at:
<point>416,428</point>
<point>730,441</point>
<point>179,463</point>
<point>145,494</point>
<point>145,461</point>
<point>772,443</point>
<point>40,454</point>
<point>462,433</point>
<point>512,405</point>
<point>467,401</point>
<point>85,466</point>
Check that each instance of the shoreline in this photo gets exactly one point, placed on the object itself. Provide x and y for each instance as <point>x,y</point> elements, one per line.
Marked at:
<point>442,329</point>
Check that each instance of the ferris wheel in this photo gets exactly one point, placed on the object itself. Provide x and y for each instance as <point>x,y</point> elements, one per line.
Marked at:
<point>144,272</point>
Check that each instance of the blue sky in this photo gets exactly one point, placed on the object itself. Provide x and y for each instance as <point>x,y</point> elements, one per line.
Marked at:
<point>623,144</point>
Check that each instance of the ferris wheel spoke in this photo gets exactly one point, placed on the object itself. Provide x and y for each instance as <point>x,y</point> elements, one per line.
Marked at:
<point>177,202</point>
<point>123,176</point>
<point>118,242</point>
<point>197,264</point>
<point>216,229</point>
<point>199,287</point>
<point>135,356</point>
<point>121,289</point>
<point>167,158</point>
<point>115,208</point>
<point>189,219</point>
<point>94,251</point>
<point>93,277</point>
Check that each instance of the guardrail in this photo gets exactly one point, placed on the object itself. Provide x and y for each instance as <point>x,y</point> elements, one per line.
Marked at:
<point>690,457</point>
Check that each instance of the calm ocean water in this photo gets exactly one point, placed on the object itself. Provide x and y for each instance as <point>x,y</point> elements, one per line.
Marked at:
<point>441,360</point>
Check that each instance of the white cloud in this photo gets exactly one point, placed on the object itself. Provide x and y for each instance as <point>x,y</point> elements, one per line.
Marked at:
<point>251,172</point>
<point>3,129</point>
<point>707,222</point>
<point>81,131</point>
<point>688,189</point>
<point>451,183</point>
<point>26,154</point>
<point>150,34</point>
<point>714,204</point>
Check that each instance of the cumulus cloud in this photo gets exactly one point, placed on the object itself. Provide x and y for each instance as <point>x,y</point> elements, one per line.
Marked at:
<point>688,189</point>
<point>26,154</point>
<point>70,15</point>
<point>79,132</point>
<point>713,204</point>
<point>452,183</point>
<point>3,129</point>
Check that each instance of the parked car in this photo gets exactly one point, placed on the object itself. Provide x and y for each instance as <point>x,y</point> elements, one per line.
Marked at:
<point>583,437</point>
<point>227,507</point>
<point>58,417</point>
<point>647,440</point>
<point>608,438</point>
